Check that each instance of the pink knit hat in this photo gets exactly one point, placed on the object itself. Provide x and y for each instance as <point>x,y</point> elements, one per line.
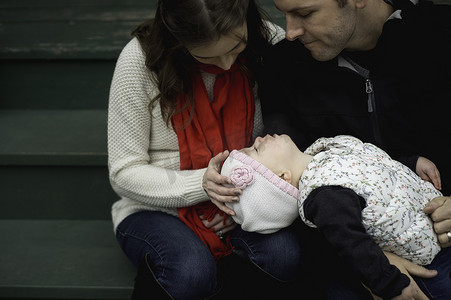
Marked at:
<point>268,203</point>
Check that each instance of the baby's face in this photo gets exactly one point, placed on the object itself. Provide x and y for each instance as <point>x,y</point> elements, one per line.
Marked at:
<point>274,152</point>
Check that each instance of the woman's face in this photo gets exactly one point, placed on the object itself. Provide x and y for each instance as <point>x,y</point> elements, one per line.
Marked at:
<point>223,52</point>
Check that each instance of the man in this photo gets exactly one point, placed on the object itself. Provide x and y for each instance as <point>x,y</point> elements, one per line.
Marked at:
<point>377,70</point>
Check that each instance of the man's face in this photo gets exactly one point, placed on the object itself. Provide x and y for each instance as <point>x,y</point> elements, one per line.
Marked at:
<point>322,26</point>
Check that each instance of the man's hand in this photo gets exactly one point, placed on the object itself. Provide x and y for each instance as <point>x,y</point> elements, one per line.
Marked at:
<point>439,209</point>
<point>428,171</point>
<point>412,291</point>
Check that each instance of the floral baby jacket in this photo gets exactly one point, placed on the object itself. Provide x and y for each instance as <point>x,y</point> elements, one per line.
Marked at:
<point>394,194</point>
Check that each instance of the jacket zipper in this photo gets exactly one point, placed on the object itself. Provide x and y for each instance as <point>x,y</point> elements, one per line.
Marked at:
<point>370,92</point>
<point>371,107</point>
<point>371,100</point>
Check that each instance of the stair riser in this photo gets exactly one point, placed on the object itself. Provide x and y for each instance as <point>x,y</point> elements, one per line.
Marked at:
<point>55,193</point>
<point>56,84</point>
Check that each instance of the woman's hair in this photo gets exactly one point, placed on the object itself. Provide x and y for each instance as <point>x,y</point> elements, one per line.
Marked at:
<point>191,23</point>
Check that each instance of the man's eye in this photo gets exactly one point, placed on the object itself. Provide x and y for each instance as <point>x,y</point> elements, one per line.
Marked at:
<point>305,14</point>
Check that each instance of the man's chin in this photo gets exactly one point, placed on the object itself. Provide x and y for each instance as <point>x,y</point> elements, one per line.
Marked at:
<point>322,55</point>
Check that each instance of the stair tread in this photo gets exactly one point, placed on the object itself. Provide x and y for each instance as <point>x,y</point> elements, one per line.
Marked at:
<point>81,29</point>
<point>63,259</point>
<point>53,137</point>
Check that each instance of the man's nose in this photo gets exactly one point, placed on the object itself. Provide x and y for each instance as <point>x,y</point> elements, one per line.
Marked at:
<point>295,28</point>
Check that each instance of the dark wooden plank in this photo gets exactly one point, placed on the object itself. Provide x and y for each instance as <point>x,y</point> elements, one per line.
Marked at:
<point>55,84</point>
<point>62,259</point>
<point>54,192</point>
<point>53,137</point>
<point>51,29</point>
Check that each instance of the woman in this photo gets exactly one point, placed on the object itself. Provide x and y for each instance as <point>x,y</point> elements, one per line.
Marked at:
<point>182,95</point>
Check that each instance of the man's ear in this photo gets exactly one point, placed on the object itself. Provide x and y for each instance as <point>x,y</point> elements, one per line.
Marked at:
<point>286,175</point>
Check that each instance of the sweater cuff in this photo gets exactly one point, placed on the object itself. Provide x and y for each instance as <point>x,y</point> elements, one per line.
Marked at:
<point>194,192</point>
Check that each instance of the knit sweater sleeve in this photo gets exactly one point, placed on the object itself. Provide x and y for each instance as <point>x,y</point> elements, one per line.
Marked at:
<point>336,211</point>
<point>143,157</point>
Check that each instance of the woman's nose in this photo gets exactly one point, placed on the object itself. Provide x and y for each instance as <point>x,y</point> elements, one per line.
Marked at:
<point>225,62</point>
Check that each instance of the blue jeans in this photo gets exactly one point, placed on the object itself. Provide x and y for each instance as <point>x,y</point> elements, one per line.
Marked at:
<point>438,287</point>
<point>184,267</point>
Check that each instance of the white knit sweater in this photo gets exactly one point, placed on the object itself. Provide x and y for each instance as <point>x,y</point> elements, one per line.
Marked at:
<point>143,153</point>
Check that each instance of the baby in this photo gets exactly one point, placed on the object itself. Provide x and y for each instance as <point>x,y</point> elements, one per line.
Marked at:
<point>353,192</point>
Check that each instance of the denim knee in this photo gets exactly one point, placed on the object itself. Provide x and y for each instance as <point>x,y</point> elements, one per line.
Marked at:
<point>177,258</point>
<point>438,287</point>
<point>277,254</point>
<point>193,276</point>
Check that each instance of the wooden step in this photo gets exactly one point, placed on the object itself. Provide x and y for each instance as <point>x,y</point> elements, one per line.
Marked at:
<point>55,84</point>
<point>84,29</point>
<point>53,164</point>
<point>62,259</point>
<point>53,137</point>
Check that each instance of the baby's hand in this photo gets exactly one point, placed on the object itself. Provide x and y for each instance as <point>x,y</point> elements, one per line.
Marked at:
<point>427,170</point>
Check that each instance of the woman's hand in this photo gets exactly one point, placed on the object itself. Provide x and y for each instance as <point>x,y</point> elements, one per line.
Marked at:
<point>213,184</point>
<point>412,291</point>
<point>220,224</point>
<point>439,210</point>
<point>428,171</point>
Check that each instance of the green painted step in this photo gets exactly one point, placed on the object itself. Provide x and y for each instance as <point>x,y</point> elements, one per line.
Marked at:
<point>53,165</point>
<point>62,259</point>
<point>53,137</point>
<point>56,192</point>
<point>84,29</point>
<point>55,84</point>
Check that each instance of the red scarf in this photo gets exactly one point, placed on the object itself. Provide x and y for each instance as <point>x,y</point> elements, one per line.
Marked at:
<point>223,124</point>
